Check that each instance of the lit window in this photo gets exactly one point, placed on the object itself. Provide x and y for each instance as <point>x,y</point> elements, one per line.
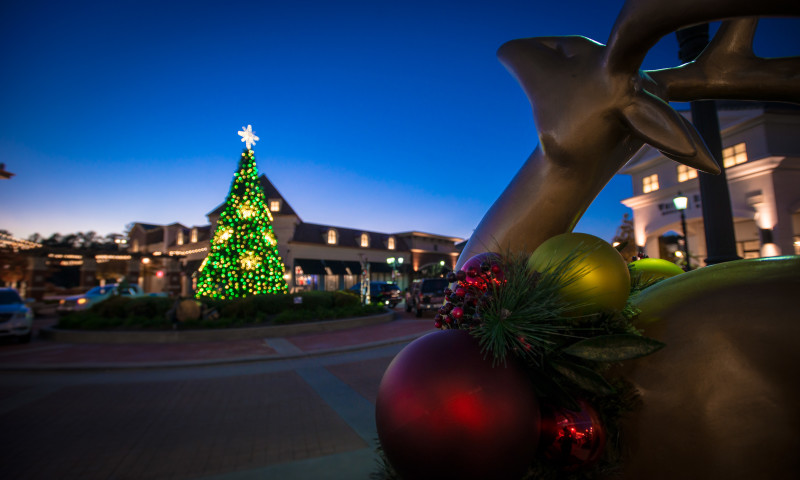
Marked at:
<point>734,155</point>
<point>686,173</point>
<point>332,237</point>
<point>390,243</point>
<point>650,183</point>
<point>180,237</point>
<point>194,235</point>
<point>274,205</point>
<point>364,240</point>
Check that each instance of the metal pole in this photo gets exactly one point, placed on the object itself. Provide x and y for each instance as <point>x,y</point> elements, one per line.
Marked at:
<point>714,194</point>
<point>685,242</point>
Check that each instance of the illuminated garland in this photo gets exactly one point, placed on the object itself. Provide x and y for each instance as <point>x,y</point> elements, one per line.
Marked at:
<point>243,255</point>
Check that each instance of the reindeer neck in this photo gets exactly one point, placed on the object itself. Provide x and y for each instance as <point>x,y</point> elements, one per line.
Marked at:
<point>544,199</point>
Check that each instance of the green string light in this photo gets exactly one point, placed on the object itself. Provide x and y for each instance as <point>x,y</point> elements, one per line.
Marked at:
<point>242,260</point>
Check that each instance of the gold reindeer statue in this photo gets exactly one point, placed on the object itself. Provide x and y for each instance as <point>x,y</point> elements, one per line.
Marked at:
<point>722,400</point>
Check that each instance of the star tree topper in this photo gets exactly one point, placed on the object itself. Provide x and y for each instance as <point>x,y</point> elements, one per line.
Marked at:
<point>248,136</point>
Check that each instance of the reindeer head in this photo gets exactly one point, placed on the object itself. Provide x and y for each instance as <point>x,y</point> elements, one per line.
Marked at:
<point>583,108</point>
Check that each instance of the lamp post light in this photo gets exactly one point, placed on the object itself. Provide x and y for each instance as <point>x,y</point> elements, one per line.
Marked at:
<point>681,202</point>
<point>395,263</point>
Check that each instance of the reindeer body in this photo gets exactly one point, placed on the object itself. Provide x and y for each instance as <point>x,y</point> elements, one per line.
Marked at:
<point>721,400</point>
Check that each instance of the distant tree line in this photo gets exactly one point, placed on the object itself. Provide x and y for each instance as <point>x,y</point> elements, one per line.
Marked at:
<point>80,240</point>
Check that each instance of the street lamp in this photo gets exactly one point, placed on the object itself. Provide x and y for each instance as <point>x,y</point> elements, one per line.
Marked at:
<point>394,262</point>
<point>681,202</point>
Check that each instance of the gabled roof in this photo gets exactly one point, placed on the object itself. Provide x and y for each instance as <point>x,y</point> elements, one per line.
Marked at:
<point>269,192</point>
<point>146,226</point>
<point>348,237</point>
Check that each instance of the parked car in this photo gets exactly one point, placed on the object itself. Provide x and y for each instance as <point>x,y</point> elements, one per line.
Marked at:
<point>425,294</point>
<point>77,303</point>
<point>381,292</point>
<point>16,318</point>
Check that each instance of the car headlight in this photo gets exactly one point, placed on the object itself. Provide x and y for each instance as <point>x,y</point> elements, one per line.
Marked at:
<point>82,301</point>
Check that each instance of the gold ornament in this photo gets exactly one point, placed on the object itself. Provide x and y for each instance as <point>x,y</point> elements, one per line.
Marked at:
<point>595,276</point>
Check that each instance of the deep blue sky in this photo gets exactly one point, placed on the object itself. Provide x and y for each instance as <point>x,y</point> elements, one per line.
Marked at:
<point>387,116</point>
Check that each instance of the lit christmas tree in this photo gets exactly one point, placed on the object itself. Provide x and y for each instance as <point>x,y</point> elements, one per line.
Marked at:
<point>243,255</point>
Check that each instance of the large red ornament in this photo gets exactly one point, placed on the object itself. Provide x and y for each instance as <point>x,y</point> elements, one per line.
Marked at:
<point>443,412</point>
<point>572,440</point>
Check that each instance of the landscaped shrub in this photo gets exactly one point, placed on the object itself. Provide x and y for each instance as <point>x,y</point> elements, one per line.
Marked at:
<point>344,298</point>
<point>296,316</point>
<point>113,307</point>
<point>313,300</point>
<point>152,312</point>
<point>148,307</point>
<point>255,307</point>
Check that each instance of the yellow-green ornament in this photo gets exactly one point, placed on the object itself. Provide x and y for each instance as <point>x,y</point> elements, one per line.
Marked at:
<point>595,274</point>
<point>654,269</point>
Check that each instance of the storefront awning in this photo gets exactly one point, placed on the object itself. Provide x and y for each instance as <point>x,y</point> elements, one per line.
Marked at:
<point>355,267</point>
<point>337,267</point>
<point>310,266</point>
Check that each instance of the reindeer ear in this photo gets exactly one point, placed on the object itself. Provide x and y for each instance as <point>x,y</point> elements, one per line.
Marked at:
<point>702,159</point>
<point>655,122</point>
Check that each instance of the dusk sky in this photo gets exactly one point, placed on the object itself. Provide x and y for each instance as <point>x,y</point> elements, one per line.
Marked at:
<point>376,115</point>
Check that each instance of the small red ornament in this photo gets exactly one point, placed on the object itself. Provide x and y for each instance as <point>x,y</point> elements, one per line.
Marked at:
<point>474,264</point>
<point>572,440</point>
<point>443,412</point>
<point>457,313</point>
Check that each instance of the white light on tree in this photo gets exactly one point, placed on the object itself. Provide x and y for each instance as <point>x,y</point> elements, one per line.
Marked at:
<point>249,261</point>
<point>224,234</point>
<point>248,136</point>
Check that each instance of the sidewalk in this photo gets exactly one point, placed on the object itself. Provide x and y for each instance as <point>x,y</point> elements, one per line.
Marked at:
<point>51,355</point>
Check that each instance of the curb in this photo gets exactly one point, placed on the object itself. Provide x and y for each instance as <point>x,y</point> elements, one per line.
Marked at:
<point>61,367</point>
<point>212,335</point>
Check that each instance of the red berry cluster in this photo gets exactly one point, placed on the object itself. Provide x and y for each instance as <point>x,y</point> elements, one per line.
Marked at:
<point>472,291</point>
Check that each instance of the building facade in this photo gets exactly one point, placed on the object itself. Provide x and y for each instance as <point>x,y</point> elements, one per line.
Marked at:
<point>761,156</point>
<point>315,256</point>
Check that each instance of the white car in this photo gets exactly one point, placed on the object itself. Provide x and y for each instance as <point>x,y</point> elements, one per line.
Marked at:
<point>77,303</point>
<point>16,318</point>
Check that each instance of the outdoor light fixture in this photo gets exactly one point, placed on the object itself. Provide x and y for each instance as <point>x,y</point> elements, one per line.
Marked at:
<point>681,201</point>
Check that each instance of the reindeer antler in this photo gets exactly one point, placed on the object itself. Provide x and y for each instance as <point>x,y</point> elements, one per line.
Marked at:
<point>641,23</point>
<point>729,69</point>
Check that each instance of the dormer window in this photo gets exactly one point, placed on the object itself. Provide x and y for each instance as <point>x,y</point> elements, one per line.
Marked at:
<point>390,243</point>
<point>734,155</point>
<point>332,237</point>
<point>686,173</point>
<point>364,240</point>
<point>180,237</point>
<point>274,205</point>
<point>194,235</point>
<point>650,183</point>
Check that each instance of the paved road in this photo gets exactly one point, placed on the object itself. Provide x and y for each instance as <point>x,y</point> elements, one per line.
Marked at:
<point>284,417</point>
